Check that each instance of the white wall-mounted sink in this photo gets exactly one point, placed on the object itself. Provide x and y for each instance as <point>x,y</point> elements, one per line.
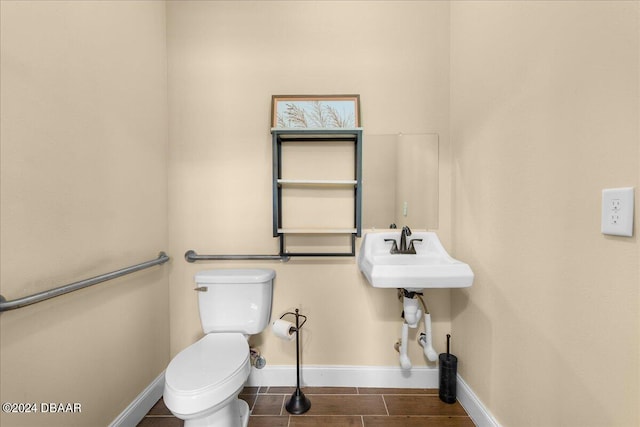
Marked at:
<point>430,267</point>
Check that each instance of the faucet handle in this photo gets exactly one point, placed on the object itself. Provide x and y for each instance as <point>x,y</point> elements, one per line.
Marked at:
<point>394,246</point>
<point>412,249</point>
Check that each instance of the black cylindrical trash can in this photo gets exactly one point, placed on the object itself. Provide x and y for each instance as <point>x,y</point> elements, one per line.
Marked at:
<point>448,369</point>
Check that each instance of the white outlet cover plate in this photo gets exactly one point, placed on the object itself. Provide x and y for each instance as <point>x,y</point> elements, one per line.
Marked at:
<point>617,211</point>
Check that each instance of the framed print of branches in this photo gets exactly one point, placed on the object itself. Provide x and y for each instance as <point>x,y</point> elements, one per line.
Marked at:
<point>315,111</point>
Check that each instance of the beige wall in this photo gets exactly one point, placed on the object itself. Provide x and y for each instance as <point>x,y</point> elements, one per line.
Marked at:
<point>83,175</point>
<point>544,115</point>
<point>226,59</point>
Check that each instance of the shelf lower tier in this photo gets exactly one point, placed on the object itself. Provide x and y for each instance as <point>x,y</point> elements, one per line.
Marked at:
<point>317,230</point>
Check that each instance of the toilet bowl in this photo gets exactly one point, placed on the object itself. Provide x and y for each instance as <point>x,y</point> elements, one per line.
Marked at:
<point>203,381</point>
<point>201,378</point>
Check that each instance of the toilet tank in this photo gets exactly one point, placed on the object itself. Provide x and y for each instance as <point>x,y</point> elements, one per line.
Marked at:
<point>235,300</point>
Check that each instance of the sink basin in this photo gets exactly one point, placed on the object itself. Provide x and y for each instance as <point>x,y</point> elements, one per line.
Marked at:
<point>430,267</point>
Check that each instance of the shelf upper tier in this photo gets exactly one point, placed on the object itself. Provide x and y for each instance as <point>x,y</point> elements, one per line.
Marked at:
<point>319,182</point>
<point>337,134</point>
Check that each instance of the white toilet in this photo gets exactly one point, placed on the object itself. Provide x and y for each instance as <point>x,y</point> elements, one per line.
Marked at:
<point>203,381</point>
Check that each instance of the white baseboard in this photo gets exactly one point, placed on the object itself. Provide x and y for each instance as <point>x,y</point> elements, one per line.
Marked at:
<point>345,376</point>
<point>327,376</point>
<point>371,376</point>
<point>135,412</point>
<point>473,405</point>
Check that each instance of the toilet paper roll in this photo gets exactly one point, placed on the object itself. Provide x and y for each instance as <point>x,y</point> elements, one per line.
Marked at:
<point>283,329</point>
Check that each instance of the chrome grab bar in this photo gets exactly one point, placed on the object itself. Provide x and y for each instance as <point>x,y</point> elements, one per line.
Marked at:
<point>41,296</point>
<point>192,256</point>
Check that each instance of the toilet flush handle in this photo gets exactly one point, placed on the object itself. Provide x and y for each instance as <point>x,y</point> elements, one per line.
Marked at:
<point>201,289</point>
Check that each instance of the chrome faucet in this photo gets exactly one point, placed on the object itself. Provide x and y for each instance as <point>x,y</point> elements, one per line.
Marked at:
<point>406,231</point>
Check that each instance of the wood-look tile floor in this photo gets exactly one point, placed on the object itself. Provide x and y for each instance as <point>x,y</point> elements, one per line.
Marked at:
<point>339,407</point>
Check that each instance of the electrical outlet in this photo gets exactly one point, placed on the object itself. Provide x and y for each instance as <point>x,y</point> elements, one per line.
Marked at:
<point>614,219</point>
<point>617,211</point>
<point>615,205</point>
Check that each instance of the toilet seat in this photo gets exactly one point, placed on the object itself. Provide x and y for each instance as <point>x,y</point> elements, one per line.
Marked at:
<point>207,373</point>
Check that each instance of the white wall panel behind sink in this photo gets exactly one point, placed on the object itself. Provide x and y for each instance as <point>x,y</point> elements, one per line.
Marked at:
<point>430,267</point>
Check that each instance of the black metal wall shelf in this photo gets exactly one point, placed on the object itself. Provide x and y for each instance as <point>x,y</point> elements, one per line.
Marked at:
<point>309,185</point>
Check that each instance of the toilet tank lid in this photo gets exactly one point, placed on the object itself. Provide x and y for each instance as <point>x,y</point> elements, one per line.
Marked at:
<point>255,275</point>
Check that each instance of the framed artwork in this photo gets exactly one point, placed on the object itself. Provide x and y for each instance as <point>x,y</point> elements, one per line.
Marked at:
<point>315,111</point>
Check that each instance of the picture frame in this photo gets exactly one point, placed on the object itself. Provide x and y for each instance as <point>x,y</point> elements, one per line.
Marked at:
<point>315,111</point>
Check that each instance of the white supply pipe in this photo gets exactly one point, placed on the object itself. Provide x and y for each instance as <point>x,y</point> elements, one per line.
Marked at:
<point>405,363</point>
<point>426,341</point>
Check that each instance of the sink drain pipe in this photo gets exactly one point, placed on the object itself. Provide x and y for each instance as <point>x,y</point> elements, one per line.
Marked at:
<point>412,315</point>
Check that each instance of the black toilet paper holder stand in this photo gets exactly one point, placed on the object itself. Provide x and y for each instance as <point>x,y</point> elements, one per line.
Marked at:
<point>298,403</point>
